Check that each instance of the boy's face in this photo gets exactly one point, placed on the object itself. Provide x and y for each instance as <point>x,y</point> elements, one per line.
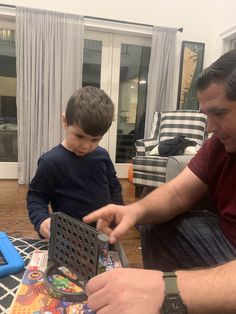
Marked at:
<point>221,114</point>
<point>78,141</point>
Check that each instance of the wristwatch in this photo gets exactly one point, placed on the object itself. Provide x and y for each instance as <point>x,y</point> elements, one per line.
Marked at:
<point>172,304</point>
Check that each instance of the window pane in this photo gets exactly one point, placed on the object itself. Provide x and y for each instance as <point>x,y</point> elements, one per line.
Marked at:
<point>132,99</point>
<point>8,116</point>
<point>92,63</point>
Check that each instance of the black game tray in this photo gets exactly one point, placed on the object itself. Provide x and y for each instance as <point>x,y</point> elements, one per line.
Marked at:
<point>75,246</point>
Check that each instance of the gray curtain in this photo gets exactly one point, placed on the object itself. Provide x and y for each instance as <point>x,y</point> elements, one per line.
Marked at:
<point>49,57</point>
<point>161,73</point>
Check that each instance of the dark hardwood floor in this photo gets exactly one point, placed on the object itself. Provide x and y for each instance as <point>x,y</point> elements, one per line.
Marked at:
<point>14,217</point>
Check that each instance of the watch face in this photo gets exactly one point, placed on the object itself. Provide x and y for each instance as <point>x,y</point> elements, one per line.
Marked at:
<point>173,305</point>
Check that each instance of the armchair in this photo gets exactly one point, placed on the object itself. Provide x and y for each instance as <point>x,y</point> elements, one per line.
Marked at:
<point>150,170</point>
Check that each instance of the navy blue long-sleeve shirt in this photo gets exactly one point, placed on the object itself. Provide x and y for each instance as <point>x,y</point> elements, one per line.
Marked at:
<point>74,185</point>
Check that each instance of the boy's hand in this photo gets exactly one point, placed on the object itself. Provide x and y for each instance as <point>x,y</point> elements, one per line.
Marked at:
<point>44,229</point>
<point>126,291</point>
<point>114,220</point>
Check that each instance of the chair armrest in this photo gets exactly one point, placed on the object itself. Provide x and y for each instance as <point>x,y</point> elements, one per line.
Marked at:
<point>175,164</point>
<point>143,146</point>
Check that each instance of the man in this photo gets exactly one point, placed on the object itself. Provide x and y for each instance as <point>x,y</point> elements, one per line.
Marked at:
<point>192,239</point>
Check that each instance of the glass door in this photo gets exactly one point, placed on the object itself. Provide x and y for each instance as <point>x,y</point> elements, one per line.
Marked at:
<point>8,115</point>
<point>129,89</point>
<point>119,65</point>
<point>97,65</point>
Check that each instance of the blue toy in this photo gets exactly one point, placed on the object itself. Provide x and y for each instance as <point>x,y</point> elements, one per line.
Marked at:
<point>10,260</point>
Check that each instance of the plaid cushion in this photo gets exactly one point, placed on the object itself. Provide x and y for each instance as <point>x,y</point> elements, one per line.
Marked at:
<point>143,147</point>
<point>148,178</point>
<point>155,164</point>
<point>149,170</point>
<point>191,124</point>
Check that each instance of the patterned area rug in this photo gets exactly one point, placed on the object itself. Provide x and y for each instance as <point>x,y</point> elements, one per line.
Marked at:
<point>9,284</point>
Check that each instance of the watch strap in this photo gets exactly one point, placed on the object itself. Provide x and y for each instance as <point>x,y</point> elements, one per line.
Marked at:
<point>170,279</point>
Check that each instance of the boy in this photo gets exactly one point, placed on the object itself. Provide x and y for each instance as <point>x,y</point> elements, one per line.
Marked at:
<point>76,176</point>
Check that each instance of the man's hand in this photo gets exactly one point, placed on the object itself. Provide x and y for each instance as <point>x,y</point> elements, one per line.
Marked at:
<point>126,291</point>
<point>114,220</point>
<point>44,229</point>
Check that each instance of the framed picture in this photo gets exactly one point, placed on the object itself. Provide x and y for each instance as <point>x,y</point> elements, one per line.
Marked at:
<point>191,63</point>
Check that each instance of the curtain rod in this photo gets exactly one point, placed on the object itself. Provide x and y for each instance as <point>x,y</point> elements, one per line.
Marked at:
<point>103,19</point>
<point>7,5</point>
<point>124,22</point>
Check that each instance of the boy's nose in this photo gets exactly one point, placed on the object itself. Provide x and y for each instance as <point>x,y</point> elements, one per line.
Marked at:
<point>85,145</point>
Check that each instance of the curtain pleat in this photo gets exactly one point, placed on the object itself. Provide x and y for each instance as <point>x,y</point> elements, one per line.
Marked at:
<point>49,57</point>
<point>161,73</point>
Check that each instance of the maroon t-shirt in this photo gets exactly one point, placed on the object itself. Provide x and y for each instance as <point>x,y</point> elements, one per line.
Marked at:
<point>217,168</point>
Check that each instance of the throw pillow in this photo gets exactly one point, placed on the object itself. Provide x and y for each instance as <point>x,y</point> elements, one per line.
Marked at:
<point>191,150</point>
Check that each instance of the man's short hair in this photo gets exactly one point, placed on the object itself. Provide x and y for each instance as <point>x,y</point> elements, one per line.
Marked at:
<point>222,71</point>
<point>91,109</point>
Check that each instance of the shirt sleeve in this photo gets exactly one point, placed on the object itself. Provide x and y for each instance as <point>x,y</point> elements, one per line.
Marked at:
<point>114,184</point>
<point>199,163</point>
<point>39,194</point>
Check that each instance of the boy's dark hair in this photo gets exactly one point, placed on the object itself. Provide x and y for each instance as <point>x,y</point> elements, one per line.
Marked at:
<point>91,109</point>
<point>222,71</point>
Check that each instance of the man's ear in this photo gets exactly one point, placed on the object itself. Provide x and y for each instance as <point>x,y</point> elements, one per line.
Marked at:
<point>64,123</point>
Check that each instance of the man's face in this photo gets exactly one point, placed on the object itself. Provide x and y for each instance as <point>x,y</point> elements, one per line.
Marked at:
<point>79,142</point>
<point>221,114</point>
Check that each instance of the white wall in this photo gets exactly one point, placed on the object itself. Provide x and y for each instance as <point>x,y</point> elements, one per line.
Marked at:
<point>201,20</point>
<point>227,15</point>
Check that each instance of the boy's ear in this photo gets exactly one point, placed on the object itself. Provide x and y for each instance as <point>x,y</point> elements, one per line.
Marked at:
<point>64,123</point>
